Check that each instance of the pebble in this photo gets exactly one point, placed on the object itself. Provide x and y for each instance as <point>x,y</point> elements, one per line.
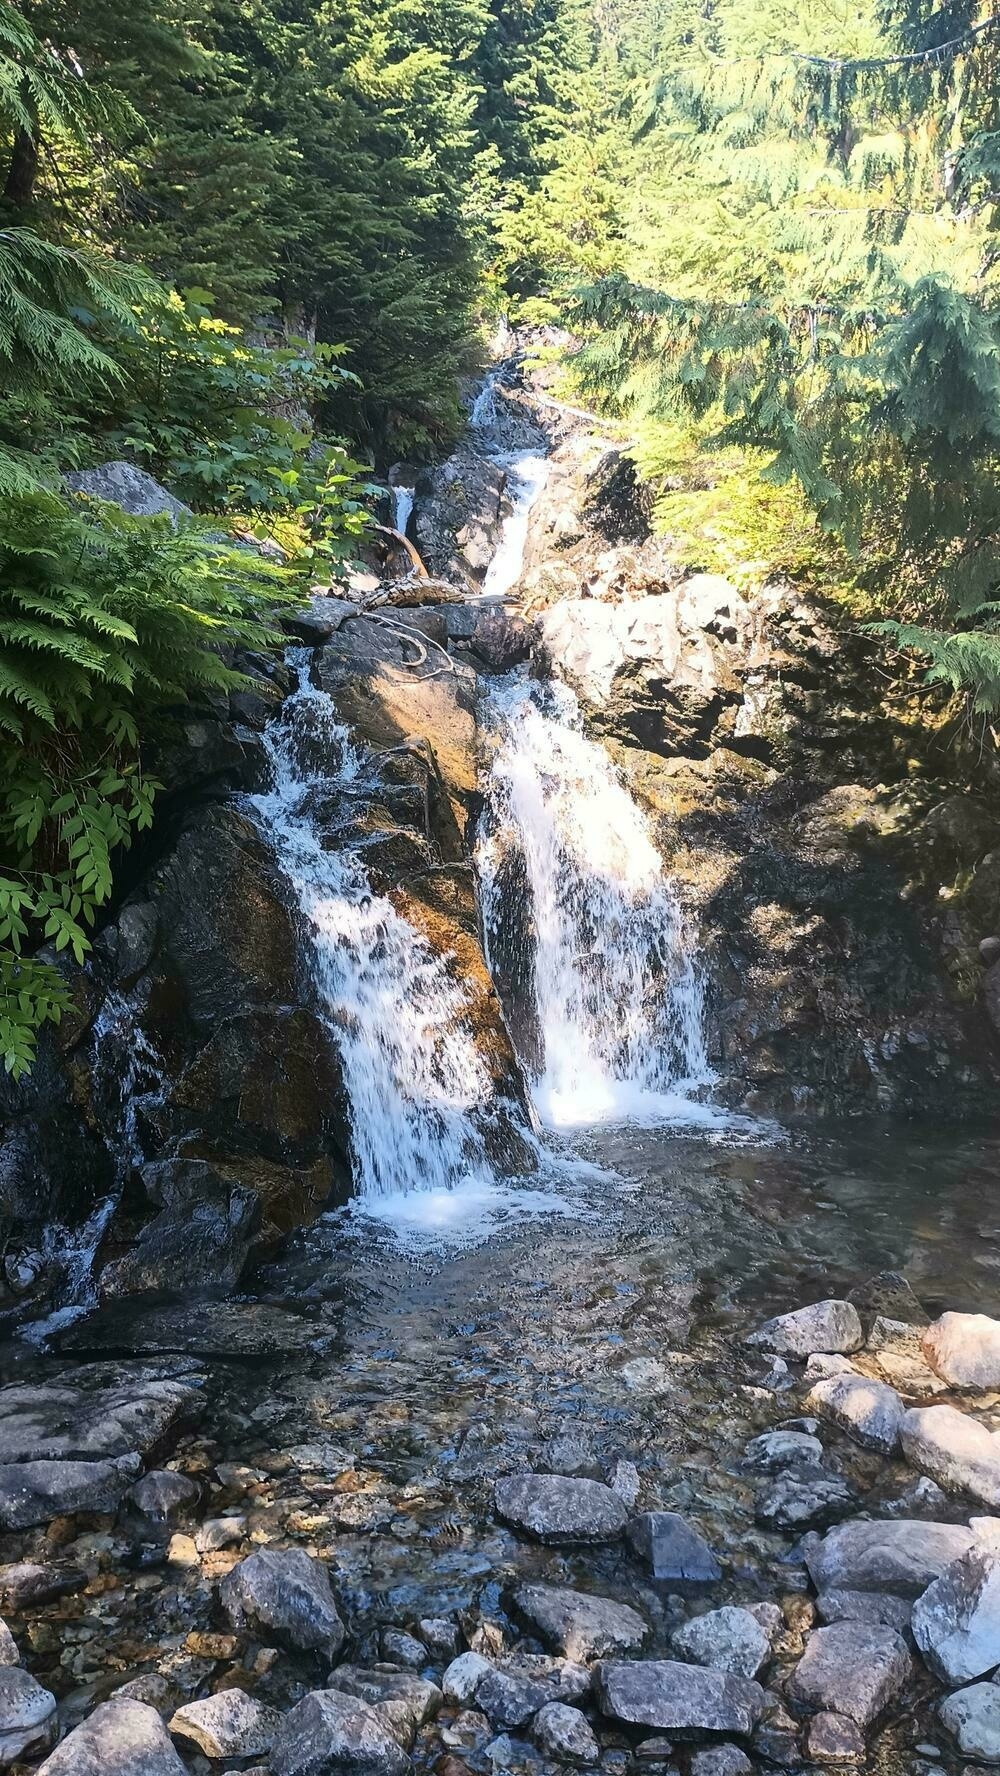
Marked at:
<point>219,1532</point>
<point>552,1508</point>
<point>230,1724</point>
<point>564,1733</point>
<point>672,1549</point>
<point>851,1668</point>
<point>162,1495</point>
<point>956,1622</point>
<point>825,1326</point>
<point>727,1639</point>
<point>182,1550</point>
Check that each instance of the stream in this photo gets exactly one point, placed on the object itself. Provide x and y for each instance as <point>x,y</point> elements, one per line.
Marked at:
<point>460,1318</point>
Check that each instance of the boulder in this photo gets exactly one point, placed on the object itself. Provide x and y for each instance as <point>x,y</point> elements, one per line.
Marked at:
<point>956,1623</point>
<point>120,1738</point>
<point>555,1509</point>
<point>283,1593</point>
<point>867,1410</point>
<point>835,1739</point>
<point>329,1731</point>
<point>162,1495</point>
<point>463,1675</point>
<point>805,1498</point>
<point>727,1639</point>
<point>27,1716</point>
<point>209,1243</point>
<point>773,1450</point>
<point>230,1724</point>
<point>954,1449</point>
<point>672,1549</point>
<point>98,1411</point>
<point>901,1557</point>
<point>972,1717</point>
<point>683,1701</point>
<point>123,484</point>
<point>865,1606</point>
<point>36,1491</point>
<point>825,1326</point>
<point>964,1349</point>
<point>578,1625</point>
<point>851,1668</point>
<point>403,1701</point>
<point>565,1734</point>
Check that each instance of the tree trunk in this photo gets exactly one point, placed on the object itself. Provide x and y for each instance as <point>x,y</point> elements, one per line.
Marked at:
<point>22,171</point>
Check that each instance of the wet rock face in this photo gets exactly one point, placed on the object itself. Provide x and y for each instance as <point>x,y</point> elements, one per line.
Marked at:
<point>799,802</point>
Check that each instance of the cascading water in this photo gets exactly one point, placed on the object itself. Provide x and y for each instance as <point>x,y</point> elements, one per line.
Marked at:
<point>415,1081</point>
<point>402,507</point>
<point>495,427</point>
<point>617,1001</point>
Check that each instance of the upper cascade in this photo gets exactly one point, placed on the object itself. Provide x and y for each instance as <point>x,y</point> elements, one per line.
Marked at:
<point>577,907</point>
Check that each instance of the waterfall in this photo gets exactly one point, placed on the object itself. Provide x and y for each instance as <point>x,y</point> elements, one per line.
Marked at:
<point>402,507</point>
<point>413,1076</point>
<point>617,1001</point>
<point>528,472</point>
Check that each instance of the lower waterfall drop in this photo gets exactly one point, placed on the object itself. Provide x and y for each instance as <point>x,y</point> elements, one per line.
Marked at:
<point>578,910</point>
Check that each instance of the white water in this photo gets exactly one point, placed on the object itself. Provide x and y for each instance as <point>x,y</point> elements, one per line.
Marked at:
<point>528,472</point>
<point>617,995</point>
<point>402,507</point>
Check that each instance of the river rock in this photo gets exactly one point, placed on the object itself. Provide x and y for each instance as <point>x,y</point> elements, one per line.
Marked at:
<point>953,1449</point>
<point>672,1549</point>
<point>564,1733</point>
<point>868,1410</point>
<point>579,1625</point>
<point>27,1716</point>
<point>120,1738</point>
<point>463,1675</point>
<point>209,1242</point>
<point>402,1700</point>
<point>162,1494</point>
<point>9,1654</point>
<point>27,1583</point>
<point>865,1606</point>
<point>727,1639</point>
<point>820,1365</point>
<point>330,1731</point>
<point>964,1349</point>
<point>851,1668</point>
<point>901,1557</point>
<point>400,1648</point>
<point>834,1739</point>
<point>956,1623</point>
<point>972,1717</point>
<point>36,1491</point>
<point>773,1450</point>
<point>230,1724</point>
<point>805,1498</point>
<point>97,1412</point>
<point>124,484</point>
<point>683,1701</point>
<point>284,1593</point>
<point>720,1760</point>
<point>827,1326</point>
<point>555,1509</point>
<point>440,1635</point>
<point>509,1700</point>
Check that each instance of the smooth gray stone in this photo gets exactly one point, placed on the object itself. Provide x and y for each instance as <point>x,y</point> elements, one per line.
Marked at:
<point>955,1450</point>
<point>564,1733</point>
<point>555,1509</point>
<point>804,1498</point>
<point>581,1626</point>
<point>869,1410</point>
<point>683,1701</point>
<point>125,485</point>
<point>972,1717</point>
<point>103,1410</point>
<point>865,1606</point>
<point>402,1700</point>
<point>285,1593</point>
<point>230,1724</point>
<point>781,1449</point>
<point>120,1738</point>
<point>672,1549</point>
<point>826,1326</point>
<point>720,1760</point>
<point>964,1349</point>
<point>727,1639</point>
<point>27,1716</point>
<point>162,1494</point>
